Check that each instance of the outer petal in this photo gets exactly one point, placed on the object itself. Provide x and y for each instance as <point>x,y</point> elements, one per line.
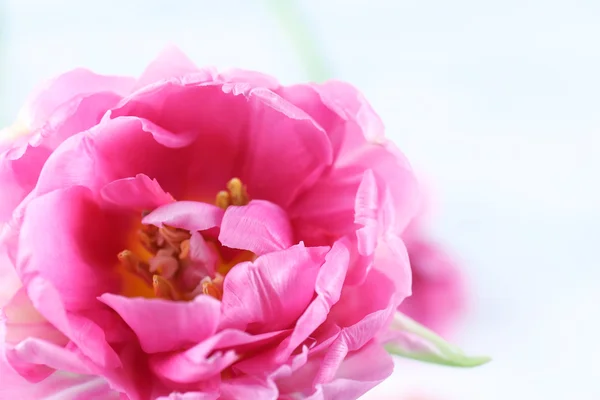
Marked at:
<point>260,226</point>
<point>210,357</point>
<point>58,386</point>
<point>272,292</point>
<point>248,388</point>
<point>359,373</point>
<point>162,325</point>
<point>328,289</point>
<point>242,131</point>
<point>171,62</point>
<point>357,138</point>
<point>18,177</point>
<point>36,359</point>
<point>362,313</point>
<point>66,87</point>
<point>67,239</point>
<point>9,280</point>
<point>190,396</point>
<point>71,103</point>
<point>377,244</point>
<point>21,321</point>
<point>191,369</point>
<point>85,334</point>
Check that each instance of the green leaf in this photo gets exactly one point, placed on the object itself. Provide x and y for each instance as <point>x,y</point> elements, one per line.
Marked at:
<point>412,340</point>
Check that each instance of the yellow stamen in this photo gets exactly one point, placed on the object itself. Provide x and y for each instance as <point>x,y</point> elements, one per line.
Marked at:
<point>132,264</point>
<point>239,194</point>
<point>223,199</point>
<point>213,287</point>
<point>164,289</point>
<point>184,248</point>
<point>235,195</point>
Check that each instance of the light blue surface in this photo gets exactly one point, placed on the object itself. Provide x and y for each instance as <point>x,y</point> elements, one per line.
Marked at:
<point>495,103</point>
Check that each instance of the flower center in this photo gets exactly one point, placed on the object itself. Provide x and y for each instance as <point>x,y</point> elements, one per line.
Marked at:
<point>159,263</point>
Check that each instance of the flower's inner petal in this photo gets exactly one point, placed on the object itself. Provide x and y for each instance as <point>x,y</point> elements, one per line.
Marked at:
<point>71,242</point>
<point>163,326</point>
<point>273,291</point>
<point>137,193</point>
<point>260,227</point>
<point>241,131</point>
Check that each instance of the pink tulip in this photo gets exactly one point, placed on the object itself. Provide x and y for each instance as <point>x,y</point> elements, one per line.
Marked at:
<point>199,235</point>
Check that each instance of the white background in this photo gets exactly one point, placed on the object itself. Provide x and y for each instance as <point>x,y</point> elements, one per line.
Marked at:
<point>496,103</point>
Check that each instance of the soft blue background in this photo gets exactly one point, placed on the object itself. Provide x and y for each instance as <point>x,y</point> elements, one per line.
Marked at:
<point>496,103</point>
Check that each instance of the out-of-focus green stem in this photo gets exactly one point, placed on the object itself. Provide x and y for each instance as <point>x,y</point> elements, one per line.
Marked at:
<point>432,348</point>
<point>291,20</point>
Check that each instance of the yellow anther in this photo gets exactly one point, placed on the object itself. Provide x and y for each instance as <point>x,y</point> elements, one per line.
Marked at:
<point>213,287</point>
<point>238,192</point>
<point>235,195</point>
<point>129,260</point>
<point>184,249</point>
<point>164,289</point>
<point>223,199</point>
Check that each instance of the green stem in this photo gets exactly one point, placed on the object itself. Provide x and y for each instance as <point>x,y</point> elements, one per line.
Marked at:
<point>444,353</point>
<point>301,37</point>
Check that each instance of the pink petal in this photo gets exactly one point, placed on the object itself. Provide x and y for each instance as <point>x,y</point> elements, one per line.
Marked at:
<point>18,177</point>
<point>242,131</point>
<point>35,359</point>
<point>22,320</point>
<point>366,214</point>
<point>210,357</point>
<point>272,363</point>
<point>60,385</point>
<point>359,373</point>
<point>9,280</point>
<point>190,396</point>
<point>68,86</point>
<point>190,370</point>
<point>85,334</point>
<point>110,151</point>
<point>139,193</point>
<point>67,239</point>
<point>248,387</point>
<point>204,262</point>
<point>376,241</point>
<point>391,258</point>
<point>362,312</point>
<point>356,134</point>
<point>273,291</point>
<point>253,78</point>
<point>162,325</point>
<point>260,226</point>
<point>328,288</point>
<point>190,215</point>
<point>170,63</point>
<point>69,104</point>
